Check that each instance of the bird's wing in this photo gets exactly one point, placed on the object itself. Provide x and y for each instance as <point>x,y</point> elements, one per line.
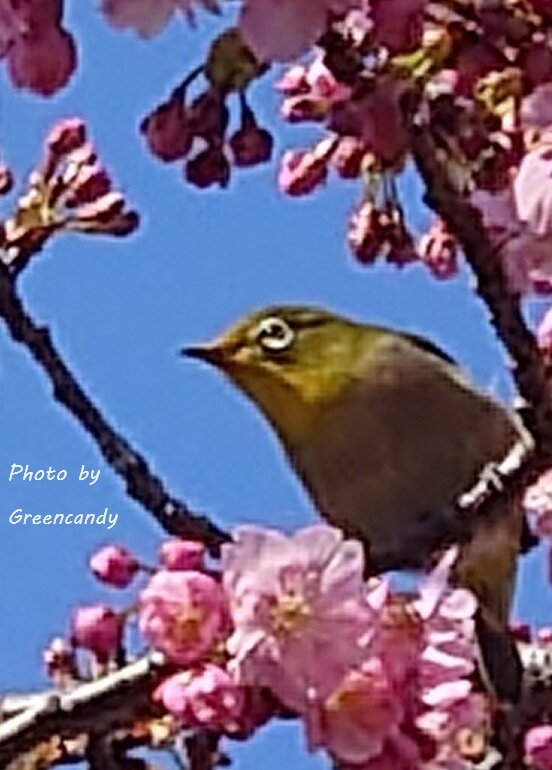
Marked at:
<point>429,347</point>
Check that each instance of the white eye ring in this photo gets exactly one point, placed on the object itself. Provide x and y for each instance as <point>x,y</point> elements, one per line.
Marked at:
<point>274,334</point>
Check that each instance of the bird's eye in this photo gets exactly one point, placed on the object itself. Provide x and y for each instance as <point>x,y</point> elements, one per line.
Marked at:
<point>274,334</point>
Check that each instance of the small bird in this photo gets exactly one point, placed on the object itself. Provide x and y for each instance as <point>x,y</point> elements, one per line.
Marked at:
<point>386,433</point>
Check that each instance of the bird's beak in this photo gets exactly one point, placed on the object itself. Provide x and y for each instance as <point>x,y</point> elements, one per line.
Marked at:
<point>212,354</point>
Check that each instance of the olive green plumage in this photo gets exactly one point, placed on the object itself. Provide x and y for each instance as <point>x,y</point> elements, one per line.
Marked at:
<point>385,432</point>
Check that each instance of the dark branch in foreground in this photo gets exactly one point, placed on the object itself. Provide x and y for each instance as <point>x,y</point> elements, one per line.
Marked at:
<point>109,703</point>
<point>141,484</point>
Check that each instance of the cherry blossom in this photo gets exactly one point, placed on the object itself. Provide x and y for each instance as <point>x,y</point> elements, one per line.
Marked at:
<point>148,17</point>
<point>207,697</point>
<point>280,30</point>
<point>182,613</point>
<point>298,607</point>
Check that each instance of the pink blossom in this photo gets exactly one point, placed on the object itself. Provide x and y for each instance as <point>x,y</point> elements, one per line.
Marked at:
<point>538,501</point>
<point>178,554</point>
<point>167,130</point>
<point>96,628</point>
<point>114,565</point>
<point>544,333</point>
<point>533,190</point>
<point>356,720</point>
<point>525,255</point>
<point>364,235</point>
<point>538,747</point>
<point>398,23</point>
<point>42,63</point>
<point>208,697</point>
<point>398,753</point>
<point>281,30</point>
<point>182,613</point>
<point>302,171</point>
<point>536,108</point>
<point>299,609</point>
<point>313,97</point>
<point>438,250</point>
<point>148,17</point>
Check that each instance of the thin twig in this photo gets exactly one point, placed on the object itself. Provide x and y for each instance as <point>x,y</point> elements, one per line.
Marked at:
<point>141,484</point>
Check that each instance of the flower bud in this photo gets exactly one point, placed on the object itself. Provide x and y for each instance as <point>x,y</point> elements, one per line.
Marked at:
<point>177,554</point>
<point>208,167</point>
<point>97,628</point>
<point>114,566</point>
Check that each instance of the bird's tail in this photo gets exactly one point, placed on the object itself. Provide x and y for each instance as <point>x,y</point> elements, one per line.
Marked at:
<point>487,566</point>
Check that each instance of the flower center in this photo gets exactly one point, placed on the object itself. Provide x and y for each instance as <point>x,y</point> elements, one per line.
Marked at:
<point>290,613</point>
<point>186,627</point>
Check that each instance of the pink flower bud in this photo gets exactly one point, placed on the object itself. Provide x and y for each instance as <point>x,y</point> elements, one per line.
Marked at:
<point>364,235</point>
<point>59,658</point>
<point>302,171</point>
<point>208,167</point>
<point>437,249</point>
<point>209,115</point>
<point>114,565</point>
<point>207,698</point>
<point>167,130</point>
<point>97,628</point>
<point>297,109</point>
<point>177,554</point>
<point>66,136</point>
<point>538,747</point>
<point>182,613</point>
<point>251,145</point>
<point>294,81</point>
<point>348,157</point>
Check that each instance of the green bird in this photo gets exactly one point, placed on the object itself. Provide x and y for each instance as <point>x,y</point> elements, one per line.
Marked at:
<point>386,433</point>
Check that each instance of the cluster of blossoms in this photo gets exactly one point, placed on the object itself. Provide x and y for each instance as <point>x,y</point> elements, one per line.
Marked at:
<point>197,132</point>
<point>478,73</point>
<point>70,190</point>
<point>40,53</point>
<point>288,625</point>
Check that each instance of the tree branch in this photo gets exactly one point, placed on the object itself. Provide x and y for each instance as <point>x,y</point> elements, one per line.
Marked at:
<point>107,704</point>
<point>141,484</point>
<point>465,222</point>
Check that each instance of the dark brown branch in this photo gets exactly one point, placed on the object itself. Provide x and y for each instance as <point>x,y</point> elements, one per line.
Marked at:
<point>505,315</point>
<point>141,484</point>
<point>465,222</point>
<point>101,706</point>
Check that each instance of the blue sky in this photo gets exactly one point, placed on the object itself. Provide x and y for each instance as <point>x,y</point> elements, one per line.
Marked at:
<point>120,310</point>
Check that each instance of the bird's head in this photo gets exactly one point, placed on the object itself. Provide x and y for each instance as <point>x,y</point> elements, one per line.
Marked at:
<point>292,361</point>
